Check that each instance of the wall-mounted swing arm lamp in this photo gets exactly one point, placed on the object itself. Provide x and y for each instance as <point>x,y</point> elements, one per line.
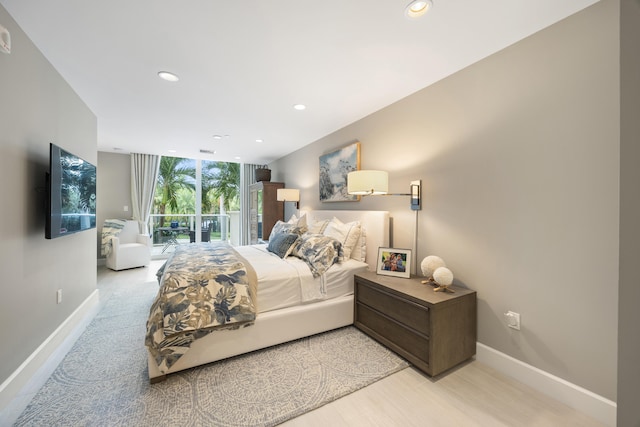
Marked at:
<point>288,195</point>
<point>374,183</point>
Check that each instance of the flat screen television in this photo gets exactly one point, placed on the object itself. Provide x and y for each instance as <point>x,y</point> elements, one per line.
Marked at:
<point>71,194</point>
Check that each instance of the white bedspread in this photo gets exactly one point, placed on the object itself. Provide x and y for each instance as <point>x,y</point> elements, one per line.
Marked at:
<point>288,282</point>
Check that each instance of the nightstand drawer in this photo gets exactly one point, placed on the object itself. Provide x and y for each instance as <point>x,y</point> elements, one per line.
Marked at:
<point>403,311</point>
<point>398,336</point>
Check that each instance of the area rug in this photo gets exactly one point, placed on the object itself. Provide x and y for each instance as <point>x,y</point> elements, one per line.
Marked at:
<point>103,379</point>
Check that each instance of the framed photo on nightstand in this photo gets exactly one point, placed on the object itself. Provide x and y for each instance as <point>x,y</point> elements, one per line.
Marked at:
<point>394,262</point>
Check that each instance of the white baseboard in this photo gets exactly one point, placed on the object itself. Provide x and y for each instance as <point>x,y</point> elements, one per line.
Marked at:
<point>55,346</point>
<point>581,399</point>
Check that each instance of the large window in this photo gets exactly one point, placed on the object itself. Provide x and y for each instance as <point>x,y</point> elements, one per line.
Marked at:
<point>196,200</point>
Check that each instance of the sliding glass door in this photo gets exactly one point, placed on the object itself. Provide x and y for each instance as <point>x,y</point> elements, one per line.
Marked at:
<point>195,201</point>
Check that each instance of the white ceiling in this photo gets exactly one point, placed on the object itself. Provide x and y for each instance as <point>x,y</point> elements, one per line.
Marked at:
<point>244,64</point>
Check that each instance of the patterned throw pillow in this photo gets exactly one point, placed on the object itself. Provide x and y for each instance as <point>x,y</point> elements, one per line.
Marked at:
<point>284,227</point>
<point>282,244</point>
<point>318,251</point>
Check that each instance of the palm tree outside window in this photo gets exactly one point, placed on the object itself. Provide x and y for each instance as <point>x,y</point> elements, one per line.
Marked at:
<point>179,181</point>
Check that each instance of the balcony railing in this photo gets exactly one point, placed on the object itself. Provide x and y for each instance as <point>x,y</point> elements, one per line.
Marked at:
<point>168,231</point>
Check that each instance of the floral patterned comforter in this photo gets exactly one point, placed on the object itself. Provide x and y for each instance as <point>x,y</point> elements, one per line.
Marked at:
<point>204,287</point>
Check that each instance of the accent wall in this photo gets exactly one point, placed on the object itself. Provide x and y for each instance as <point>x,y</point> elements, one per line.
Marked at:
<point>519,157</point>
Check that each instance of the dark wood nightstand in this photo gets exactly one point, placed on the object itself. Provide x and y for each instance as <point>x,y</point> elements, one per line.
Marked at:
<point>433,330</point>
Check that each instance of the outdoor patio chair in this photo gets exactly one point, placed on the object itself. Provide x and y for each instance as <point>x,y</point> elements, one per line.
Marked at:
<point>205,237</point>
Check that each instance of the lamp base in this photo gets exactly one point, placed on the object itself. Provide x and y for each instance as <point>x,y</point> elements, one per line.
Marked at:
<point>437,288</point>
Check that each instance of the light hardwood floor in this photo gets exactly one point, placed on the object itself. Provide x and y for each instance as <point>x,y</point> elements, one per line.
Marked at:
<point>469,395</point>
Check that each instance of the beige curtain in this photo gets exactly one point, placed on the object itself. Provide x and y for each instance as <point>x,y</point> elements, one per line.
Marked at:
<point>144,175</point>
<point>247,177</point>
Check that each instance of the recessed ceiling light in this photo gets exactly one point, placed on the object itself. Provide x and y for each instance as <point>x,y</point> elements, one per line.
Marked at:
<point>259,141</point>
<point>300,107</point>
<point>237,157</point>
<point>171,151</point>
<point>170,77</point>
<point>417,8</point>
<point>217,136</point>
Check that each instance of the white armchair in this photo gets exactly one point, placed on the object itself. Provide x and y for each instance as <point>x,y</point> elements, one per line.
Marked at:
<point>129,248</point>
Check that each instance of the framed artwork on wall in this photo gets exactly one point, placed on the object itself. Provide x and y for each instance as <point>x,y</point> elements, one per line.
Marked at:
<point>334,168</point>
<point>394,262</point>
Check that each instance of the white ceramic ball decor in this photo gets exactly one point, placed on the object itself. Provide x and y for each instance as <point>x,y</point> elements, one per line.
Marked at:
<point>430,264</point>
<point>443,276</point>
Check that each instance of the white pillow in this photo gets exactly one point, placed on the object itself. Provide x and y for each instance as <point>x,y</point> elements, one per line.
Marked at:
<point>360,250</point>
<point>298,222</point>
<point>318,227</point>
<point>347,234</point>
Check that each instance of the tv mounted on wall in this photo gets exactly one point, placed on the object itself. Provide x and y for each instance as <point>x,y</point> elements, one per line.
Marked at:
<point>71,194</point>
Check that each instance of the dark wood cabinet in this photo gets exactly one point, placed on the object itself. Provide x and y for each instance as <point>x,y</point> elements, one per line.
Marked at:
<point>264,209</point>
<point>433,330</point>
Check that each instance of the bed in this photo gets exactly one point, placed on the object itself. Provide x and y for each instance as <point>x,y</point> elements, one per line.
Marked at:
<point>290,310</point>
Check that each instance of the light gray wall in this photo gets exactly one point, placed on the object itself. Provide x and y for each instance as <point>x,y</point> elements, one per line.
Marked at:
<point>519,158</point>
<point>37,107</point>
<point>629,316</point>
<point>114,189</point>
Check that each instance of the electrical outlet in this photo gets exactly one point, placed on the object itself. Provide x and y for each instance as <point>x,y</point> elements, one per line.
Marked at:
<point>126,208</point>
<point>59,296</point>
<point>512,319</point>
